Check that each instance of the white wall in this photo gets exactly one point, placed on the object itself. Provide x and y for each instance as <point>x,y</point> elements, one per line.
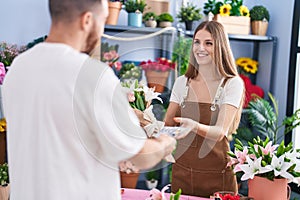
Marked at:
<point>22,21</point>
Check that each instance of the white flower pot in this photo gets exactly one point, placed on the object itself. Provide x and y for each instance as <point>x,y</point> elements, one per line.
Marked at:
<point>151,183</point>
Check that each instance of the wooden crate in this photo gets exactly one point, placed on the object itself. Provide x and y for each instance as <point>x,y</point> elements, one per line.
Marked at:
<point>157,6</point>
<point>234,24</point>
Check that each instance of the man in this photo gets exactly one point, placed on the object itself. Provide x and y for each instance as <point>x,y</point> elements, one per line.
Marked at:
<point>69,124</point>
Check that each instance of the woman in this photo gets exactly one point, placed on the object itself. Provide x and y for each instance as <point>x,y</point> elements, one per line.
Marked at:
<point>207,99</point>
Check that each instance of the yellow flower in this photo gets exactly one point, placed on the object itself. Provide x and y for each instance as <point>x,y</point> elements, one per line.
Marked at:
<point>225,10</point>
<point>2,125</point>
<point>247,64</point>
<point>244,11</point>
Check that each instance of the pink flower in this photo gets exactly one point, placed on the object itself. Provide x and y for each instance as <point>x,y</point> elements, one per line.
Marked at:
<point>268,149</point>
<point>131,97</point>
<point>2,72</point>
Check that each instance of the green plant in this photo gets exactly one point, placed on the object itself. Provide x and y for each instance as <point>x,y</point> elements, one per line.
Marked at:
<point>181,53</point>
<point>226,8</point>
<point>152,175</point>
<point>259,13</point>
<point>263,118</point>
<point>189,13</point>
<point>165,17</point>
<point>132,6</point>
<point>130,71</point>
<point>150,16</point>
<point>4,178</point>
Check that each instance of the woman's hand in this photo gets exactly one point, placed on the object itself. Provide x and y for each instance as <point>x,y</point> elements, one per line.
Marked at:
<point>188,124</point>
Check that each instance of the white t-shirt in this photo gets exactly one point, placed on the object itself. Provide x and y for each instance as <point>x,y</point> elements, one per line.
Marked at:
<point>231,94</point>
<point>68,126</point>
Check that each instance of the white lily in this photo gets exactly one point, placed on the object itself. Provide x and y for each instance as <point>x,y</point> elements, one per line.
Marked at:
<point>294,156</point>
<point>280,167</point>
<point>150,94</point>
<point>252,168</point>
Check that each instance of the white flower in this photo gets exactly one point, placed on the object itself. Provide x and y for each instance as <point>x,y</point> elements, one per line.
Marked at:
<point>150,94</point>
<point>252,168</point>
<point>294,156</point>
<point>280,167</point>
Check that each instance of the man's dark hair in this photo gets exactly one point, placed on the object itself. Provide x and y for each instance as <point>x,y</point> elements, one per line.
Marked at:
<point>68,10</point>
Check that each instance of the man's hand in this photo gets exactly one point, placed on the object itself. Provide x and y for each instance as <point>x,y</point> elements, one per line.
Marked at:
<point>140,115</point>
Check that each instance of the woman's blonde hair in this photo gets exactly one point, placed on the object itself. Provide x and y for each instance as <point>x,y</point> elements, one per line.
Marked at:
<point>222,58</point>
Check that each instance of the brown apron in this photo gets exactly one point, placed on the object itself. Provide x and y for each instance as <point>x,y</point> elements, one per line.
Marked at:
<point>200,168</point>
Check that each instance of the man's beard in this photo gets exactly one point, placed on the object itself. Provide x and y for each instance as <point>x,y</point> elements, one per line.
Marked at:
<point>91,41</point>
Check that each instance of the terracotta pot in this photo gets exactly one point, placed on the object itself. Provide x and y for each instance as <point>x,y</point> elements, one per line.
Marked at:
<point>157,79</point>
<point>259,27</point>
<point>114,11</point>
<point>263,189</point>
<point>4,192</point>
<point>129,180</point>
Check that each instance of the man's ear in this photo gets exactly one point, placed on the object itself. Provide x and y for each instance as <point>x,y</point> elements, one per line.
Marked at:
<point>86,21</point>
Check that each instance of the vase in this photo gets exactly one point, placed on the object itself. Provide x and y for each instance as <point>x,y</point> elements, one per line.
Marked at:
<point>259,27</point>
<point>114,11</point>
<point>151,184</point>
<point>129,180</point>
<point>261,188</point>
<point>157,79</point>
<point>234,24</point>
<point>135,19</point>
<point>188,25</point>
<point>165,24</point>
<point>151,23</point>
<point>4,192</point>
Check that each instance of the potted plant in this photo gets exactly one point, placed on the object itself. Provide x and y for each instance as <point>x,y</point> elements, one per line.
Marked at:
<point>130,71</point>
<point>157,72</point>
<point>151,179</point>
<point>4,182</point>
<point>135,9</point>
<point>259,20</point>
<point>231,13</point>
<point>263,160</point>
<point>165,20</point>
<point>114,7</point>
<point>149,19</point>
<point>188,14</point>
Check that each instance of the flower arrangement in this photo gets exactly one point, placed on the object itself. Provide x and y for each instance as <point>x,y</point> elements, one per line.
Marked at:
<point>247,65</point>
<point>4,178</point>
<point>161,64</point>
<point>139,95</point>
<point>130,71</point>
<point>8,52</point>
<point>226,196</point>
<point>155,194</point>
<point>226,8</point>
<point>128,167</point>
<point>109,55</point>
<point>262,158</point>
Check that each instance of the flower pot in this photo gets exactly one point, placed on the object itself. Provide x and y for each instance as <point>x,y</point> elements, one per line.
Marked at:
<point>188,25</point>
<point>4,192</point>
<point>135,19</point>
<point>151,183</point>
<point>114,11</point>
<point>261,188</point>
<point>157,79</point>
<point>151,23</point>
<point>259,27</point>
<point>165,24</point>
<point>3,147</point>
<point>129,180</point>
<point>234,24</point>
